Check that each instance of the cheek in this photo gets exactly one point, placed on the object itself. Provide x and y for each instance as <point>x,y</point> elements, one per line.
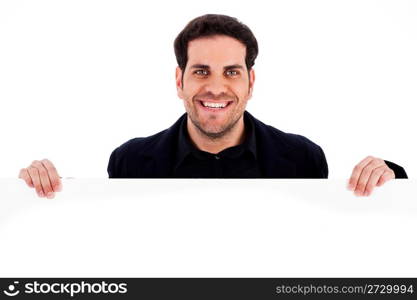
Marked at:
<point>241,90</point>
<point>190,90</point>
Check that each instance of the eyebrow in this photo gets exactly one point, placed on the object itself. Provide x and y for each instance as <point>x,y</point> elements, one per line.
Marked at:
<point>201,66</point>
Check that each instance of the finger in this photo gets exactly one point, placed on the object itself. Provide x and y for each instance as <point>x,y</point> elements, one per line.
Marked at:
<point>388,175</point>
<point>24,174</point>
<point>366,173</point>
<point>34,175</point>
<point>44,178</point>
<point>54,178</point>
<point>373,179</point>
<point>356,172</point>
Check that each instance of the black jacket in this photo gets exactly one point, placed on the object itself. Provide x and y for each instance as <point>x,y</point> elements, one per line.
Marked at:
<point>280,154</point>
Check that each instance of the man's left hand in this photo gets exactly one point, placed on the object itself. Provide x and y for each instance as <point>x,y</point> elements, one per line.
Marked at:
<point>369,173</point>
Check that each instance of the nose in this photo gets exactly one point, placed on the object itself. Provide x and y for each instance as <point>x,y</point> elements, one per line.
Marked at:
<point>216,85</point>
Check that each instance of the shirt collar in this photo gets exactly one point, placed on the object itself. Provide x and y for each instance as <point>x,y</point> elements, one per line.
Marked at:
<point>186,147</point>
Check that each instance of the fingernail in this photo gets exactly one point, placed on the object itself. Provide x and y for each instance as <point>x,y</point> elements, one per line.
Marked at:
<point>50,195</point>
<point>41,194</point>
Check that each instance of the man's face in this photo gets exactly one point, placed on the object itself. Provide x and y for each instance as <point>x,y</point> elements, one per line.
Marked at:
<point>216,85</point>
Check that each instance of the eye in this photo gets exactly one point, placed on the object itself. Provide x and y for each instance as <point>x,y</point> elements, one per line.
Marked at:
<point>232,72</point>
<point>201,72</point>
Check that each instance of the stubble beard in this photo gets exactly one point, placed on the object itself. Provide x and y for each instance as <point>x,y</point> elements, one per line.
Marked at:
<point>219,131</point>
<point>214,135</point>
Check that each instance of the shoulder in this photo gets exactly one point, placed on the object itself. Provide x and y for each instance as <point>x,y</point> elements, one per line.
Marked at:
<point>124,159</point>
<point>297,152</point>
<point>135,158</point>
<point>140,145</point>
<point>156,142</point>
<point>294,142</point>
<point>283,141</point>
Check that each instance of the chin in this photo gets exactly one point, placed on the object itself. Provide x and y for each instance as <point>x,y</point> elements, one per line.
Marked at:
<point>214,134</point>
<point>215,131</point>
<point>214,127</point>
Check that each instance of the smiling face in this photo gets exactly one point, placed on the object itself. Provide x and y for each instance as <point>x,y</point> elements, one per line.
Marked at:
<point>215,86</point>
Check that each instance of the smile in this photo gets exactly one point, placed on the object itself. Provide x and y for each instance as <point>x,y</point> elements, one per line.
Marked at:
<point>213,106</point>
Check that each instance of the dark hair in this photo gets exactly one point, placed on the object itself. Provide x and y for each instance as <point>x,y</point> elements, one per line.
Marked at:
<point>210,25</point>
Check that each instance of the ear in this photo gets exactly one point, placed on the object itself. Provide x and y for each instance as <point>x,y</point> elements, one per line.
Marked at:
<point>251,82</point>
<point>178,81</point>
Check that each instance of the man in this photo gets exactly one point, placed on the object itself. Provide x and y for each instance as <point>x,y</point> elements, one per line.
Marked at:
<point>216,137</point>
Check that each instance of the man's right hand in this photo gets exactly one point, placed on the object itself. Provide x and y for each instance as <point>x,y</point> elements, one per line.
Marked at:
<point>43,176</point>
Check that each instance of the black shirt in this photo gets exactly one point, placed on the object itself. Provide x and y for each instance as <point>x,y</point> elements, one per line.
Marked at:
<point>234,162</point>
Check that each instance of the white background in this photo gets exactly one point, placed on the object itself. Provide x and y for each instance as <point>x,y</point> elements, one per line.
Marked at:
<point>78,78</point>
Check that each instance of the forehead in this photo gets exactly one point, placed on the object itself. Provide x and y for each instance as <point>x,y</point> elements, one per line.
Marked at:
<point>219,49</point>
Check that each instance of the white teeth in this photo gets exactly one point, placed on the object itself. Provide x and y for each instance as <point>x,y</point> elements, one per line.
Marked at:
<point>214,105</point>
